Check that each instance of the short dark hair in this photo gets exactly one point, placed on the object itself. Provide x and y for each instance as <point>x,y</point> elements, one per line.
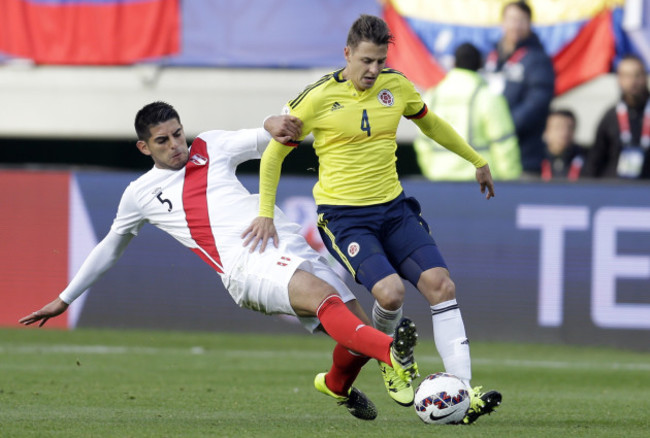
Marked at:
<point>151,115</point>
<point>369,28</point>
<point>522,6</point>
<point>468,57</point>
<point>632,57</point>
<point>563,112</point>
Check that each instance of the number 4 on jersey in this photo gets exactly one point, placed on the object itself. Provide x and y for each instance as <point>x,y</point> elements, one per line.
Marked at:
<point>365,124</point>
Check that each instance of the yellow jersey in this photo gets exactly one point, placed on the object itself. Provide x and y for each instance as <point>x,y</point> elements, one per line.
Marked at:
<point>354,135</point>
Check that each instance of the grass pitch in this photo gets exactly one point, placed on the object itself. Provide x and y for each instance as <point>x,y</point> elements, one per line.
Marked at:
<point>104,383</point>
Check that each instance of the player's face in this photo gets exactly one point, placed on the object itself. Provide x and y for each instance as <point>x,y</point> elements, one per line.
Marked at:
<point>167,145</point>
<point>515,25</point>
<point>631,78</point>
<point>364,63</point>
<point>559,133</point>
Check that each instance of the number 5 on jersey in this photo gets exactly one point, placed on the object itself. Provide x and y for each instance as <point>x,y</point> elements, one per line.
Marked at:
<point>365,124</point>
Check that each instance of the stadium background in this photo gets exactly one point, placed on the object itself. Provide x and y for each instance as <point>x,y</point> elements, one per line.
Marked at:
<point>550,262</point>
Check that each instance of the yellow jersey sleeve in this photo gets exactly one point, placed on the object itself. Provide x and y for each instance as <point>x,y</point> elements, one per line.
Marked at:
<point>415,108</point>
<point>270,169</point>
<point>275,153</point>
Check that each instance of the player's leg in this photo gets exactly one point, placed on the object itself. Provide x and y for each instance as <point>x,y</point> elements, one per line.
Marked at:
<point>276,281</point>
<point>309,296</point>
<point>378,275</point>
<point>337,383</point>
<point>413,249</point>
<point>346,364</point>
<point>386,286</point>
<point>426,269</point>
<point>350,235</point>
<point>449,329</point>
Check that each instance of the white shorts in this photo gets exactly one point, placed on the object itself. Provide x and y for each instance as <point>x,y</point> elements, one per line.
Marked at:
<point>260,282</point>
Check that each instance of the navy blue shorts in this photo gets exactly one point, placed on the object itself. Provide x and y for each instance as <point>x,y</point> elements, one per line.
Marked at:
<point>386,235</point>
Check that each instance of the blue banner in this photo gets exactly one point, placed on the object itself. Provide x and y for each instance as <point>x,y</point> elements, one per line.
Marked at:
<point>540,262</point>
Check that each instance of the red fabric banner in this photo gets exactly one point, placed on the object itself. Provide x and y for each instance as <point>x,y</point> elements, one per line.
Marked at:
<point>103,33</point>
<point>34,236</point>
<point>409,55</point>
<point>588,55</point>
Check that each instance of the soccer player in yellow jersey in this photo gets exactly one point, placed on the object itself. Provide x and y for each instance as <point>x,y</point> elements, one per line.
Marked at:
<point>366,221</point>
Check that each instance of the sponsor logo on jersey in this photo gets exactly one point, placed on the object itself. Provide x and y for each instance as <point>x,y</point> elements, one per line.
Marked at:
<point>336,106</point>
<point>385,97</point>
<point>353,249</point>
<point>198,159</point>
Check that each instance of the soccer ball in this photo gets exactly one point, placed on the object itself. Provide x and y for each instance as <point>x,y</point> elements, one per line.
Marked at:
<point>442,398</point>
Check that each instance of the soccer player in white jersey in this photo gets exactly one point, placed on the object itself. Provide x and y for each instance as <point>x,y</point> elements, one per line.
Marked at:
<point>194,195</point>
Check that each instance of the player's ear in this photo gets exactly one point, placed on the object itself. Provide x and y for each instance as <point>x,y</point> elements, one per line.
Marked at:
<point>143,147</point>
<point>346,52</point>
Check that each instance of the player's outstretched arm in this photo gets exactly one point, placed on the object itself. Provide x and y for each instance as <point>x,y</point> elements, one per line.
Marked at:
<point>283,128</point>
<point>484,178</point>
<point>260,230</point>
<point>100,260</point>
<point>55,308</point>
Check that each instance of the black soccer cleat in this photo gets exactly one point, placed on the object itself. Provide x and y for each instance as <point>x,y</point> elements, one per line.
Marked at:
<point>481,404</point>
<point>359,405</point>
<point>404,340</point>
<point>356,401</point>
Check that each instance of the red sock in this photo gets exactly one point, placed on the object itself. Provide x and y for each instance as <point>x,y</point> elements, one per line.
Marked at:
<point>348,330</point>
<point>345,369</point>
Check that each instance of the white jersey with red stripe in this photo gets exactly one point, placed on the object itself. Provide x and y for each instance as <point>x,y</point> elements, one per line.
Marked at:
<point>203,206</point>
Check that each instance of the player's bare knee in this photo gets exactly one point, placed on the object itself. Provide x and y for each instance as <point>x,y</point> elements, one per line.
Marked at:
<point>307,292</point>
<point>320,289</point>
<point>389,294</point>
<point>437,286</point>
<point>447,289</point>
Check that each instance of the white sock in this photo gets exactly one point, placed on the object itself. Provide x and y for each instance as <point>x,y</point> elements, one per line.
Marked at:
<point>451,341</point>
<point>385,320</point>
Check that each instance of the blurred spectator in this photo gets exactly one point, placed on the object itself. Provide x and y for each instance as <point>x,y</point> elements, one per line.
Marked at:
<point>622,146</point>
<point>521,70</point>
<point>563,157</point>
<point>464,100</point>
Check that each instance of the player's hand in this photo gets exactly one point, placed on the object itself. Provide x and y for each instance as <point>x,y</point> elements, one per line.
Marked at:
<point>259,232</point>
<point>284,128</point>
<point>484,178</point>
<point>55,308</point>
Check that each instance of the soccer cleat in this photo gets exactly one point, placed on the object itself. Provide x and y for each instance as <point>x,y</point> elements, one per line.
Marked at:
<point>401,350</point>
<point>398,389</point>
<point>399,374</point>
<point>357,403</point>
<point>481,404</point>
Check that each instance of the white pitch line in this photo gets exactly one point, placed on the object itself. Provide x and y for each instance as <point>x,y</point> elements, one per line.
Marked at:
<point>262,354</point>
<point>516,363</point>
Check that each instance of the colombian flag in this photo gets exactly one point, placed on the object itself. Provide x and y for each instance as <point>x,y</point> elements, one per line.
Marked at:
<point>582,37</point>
<point>89,32</point>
